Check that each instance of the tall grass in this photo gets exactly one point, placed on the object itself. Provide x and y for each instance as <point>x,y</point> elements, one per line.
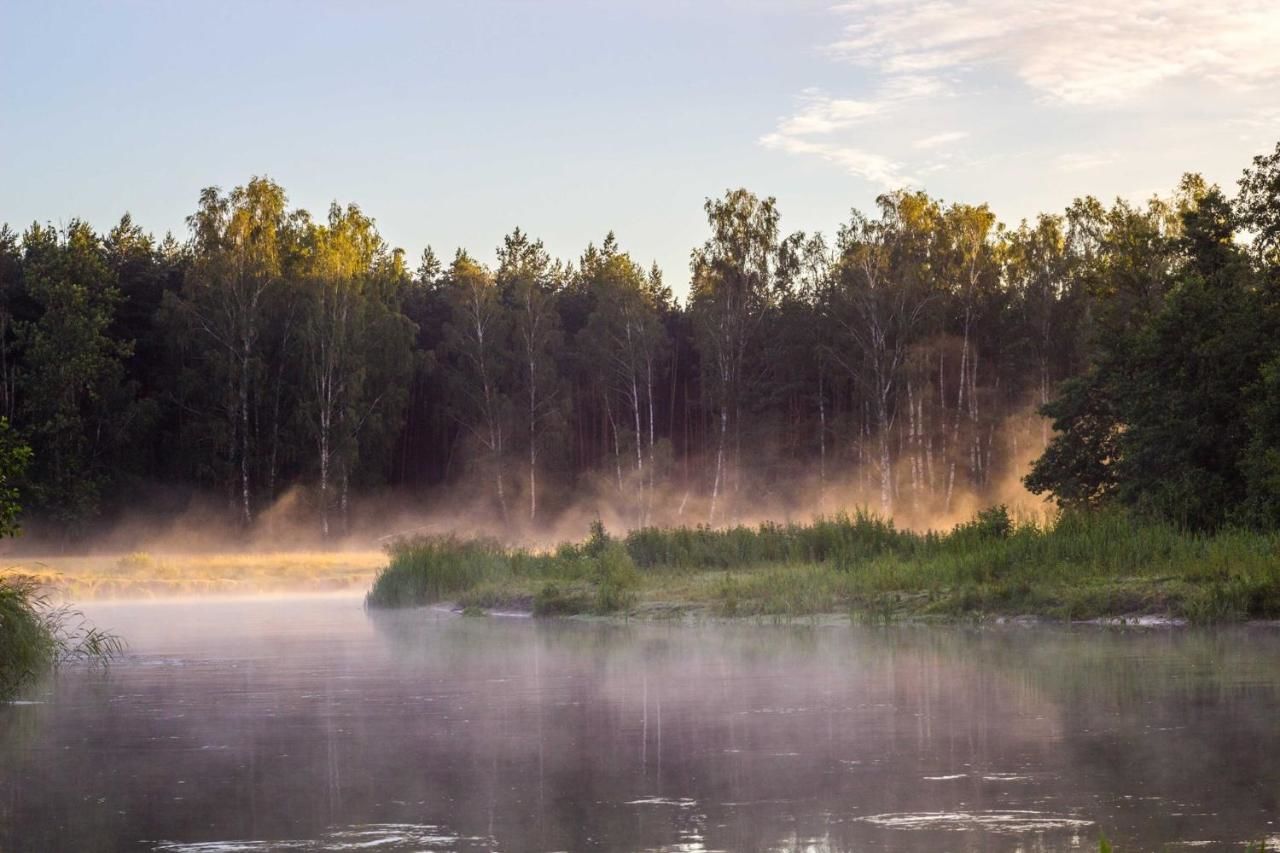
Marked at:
<point>598,574</point>
<point>36,636</point>
<point>1082,565</point>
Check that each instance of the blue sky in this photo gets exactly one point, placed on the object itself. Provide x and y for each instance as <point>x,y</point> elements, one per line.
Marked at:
<point>452,122</point>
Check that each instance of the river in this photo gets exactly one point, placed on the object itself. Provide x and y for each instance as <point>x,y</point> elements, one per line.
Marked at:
<point>310,724</point>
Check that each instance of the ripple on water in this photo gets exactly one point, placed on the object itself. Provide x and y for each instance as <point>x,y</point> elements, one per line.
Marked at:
<point>380,836</point>
<point>1007,821</point>
<point>1007,777</point>
<point>683,803</point>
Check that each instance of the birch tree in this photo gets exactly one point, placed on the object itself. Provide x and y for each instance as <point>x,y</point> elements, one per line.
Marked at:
<point>476,338</point>
<point>624,335</point>
<point>340,260</point>
<point>526,275</point>
<point>878,302</point>
<point>733,286</point>
<point>967,266</point>
<point>239,244</point>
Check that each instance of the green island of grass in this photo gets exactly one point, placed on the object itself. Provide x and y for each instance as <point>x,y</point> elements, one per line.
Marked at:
<point>1081,566</point>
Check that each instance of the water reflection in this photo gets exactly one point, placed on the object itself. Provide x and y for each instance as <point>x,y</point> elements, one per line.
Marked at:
<point>310,725</point>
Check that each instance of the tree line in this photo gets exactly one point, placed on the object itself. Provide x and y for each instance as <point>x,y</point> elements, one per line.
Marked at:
<point>920,354</point>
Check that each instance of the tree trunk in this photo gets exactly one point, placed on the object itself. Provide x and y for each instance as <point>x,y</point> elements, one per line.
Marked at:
<point>822,430</point>
<point>886,468</point>
<point>715,488</point>
<point>617,443</point>
<point>533,439</point>
<point>955,432</point>
<point>246,511</point>
<point>324,475</point>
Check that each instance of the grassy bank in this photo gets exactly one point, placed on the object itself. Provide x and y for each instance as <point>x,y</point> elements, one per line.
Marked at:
<point>36,636</point>
<point>1081,566</point>
<point>156,575</point>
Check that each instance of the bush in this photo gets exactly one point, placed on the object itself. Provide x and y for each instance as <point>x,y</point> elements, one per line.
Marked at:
<point>615,577</point>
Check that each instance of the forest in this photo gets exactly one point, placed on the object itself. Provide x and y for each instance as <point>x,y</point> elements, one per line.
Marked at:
<point>920,361</point>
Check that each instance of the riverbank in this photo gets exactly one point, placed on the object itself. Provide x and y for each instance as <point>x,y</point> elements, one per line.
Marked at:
<point>1079,567</point>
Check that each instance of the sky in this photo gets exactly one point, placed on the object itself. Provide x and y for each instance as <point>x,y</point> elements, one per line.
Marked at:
<point>452,123</point>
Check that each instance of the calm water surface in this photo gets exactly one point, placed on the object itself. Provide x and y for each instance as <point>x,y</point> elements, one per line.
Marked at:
<point>308,724</point>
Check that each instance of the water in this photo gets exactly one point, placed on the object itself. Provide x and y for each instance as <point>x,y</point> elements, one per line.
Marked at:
<point>307,724</point>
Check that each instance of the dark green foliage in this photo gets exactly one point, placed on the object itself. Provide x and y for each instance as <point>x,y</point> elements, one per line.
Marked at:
<point>1261,463</point>
<point>1259,204</point>
<point>990,523</point>
<point>76,399</point>
<point>1172,418</point>
<point>1076,467</point>
<point>15,456</point>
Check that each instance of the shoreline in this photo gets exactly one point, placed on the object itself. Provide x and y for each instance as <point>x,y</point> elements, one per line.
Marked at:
<point>689,613</point>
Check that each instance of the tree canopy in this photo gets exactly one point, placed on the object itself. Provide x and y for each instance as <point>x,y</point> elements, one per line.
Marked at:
<point>917,360</point>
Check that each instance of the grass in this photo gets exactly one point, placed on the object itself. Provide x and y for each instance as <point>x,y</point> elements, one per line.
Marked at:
<point>598,575</point>
<point>36,636</point>
<point>1080,566</point>
<point>147,575</point>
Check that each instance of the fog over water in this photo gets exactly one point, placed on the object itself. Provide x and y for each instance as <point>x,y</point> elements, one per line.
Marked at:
<point>310,724</point>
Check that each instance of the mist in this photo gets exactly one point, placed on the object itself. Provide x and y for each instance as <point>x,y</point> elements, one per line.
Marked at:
<point>801,493</point>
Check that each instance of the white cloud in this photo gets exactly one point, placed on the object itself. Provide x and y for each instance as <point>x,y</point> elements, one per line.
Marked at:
<point>822,114</point>
<point>1048,76</point>
<point>1077,162</point>
<point>1085,52</point>
<point>940,139</point>
<point>864,164</point>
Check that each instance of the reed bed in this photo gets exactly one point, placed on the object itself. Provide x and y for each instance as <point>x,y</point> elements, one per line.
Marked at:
<point>1078,566</point>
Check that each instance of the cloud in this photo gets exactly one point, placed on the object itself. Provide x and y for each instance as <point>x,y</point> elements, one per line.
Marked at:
<point>940,139</point>
<point>820,115</point>
<point>864,164</point>
<point>1086,52</point>
<point>1076,162</point>
<point>1048,76</point>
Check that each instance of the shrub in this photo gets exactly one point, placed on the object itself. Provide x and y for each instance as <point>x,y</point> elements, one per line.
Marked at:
<point>615,577</point>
